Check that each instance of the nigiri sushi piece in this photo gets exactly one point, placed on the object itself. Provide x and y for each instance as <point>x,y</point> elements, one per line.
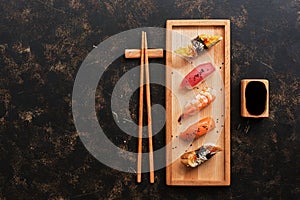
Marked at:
<point>199,156</point>
<point>198,129</point>
<point>198,44</point>
<point>197,75</point>
<point>204,98</point>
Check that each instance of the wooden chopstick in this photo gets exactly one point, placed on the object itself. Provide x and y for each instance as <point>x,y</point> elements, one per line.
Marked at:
<point>140,130</point>
<point>145,64</point>
<point>151,161</point>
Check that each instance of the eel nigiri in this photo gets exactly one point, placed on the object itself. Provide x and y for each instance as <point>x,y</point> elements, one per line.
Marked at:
<point>199,156</point>
<point>198,44</point>
<point>199,102</point>
<point>198,129</point>
<point>197,75</point>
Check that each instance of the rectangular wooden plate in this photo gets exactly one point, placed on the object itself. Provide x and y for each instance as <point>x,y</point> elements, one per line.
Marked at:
<point>215,171</point>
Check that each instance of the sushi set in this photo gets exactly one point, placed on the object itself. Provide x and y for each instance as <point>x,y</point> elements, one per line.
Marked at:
<point>198,102</point>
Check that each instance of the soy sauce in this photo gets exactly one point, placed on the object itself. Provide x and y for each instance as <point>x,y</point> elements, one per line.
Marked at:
<point>256,96</point>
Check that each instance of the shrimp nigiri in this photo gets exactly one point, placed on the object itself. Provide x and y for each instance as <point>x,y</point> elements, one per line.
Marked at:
<point>200,101</point>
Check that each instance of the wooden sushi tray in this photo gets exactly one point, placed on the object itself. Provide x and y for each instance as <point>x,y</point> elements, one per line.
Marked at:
<point>215,171</point>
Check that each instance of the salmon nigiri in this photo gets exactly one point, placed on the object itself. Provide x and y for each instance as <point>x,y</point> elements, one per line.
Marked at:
<point>198,129</point>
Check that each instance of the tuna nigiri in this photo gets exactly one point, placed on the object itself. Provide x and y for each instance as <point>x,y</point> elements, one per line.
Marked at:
<point>197,75</point>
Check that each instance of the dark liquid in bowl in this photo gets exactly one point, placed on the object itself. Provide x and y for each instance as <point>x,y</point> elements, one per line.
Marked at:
<point>256,96</point>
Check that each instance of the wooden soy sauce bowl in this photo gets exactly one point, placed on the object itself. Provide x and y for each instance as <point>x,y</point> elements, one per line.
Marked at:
<point>255,98</point>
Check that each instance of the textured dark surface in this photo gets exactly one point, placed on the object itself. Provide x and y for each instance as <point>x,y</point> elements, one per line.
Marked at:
<point>42,45</point>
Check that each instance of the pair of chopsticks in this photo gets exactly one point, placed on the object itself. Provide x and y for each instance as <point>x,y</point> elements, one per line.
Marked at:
<point>145,64</point>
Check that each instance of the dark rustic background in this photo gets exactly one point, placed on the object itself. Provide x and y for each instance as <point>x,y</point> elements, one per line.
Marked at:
<point>42,45</point>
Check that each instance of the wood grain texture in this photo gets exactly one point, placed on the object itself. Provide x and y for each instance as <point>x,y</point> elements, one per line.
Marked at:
<point>216,171</point>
